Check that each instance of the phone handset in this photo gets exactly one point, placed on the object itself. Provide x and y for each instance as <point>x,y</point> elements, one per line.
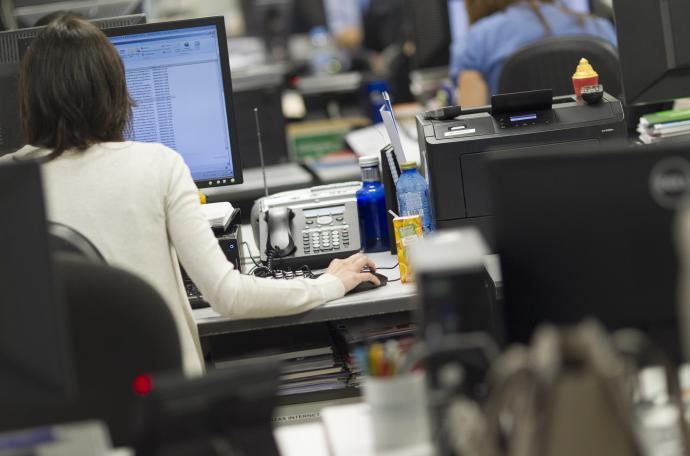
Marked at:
<point>279,240</point>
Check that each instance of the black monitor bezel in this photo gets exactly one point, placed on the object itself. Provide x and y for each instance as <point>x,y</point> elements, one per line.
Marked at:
<point>506,173</point>
<point>219,23</point>
<point>646,73</point>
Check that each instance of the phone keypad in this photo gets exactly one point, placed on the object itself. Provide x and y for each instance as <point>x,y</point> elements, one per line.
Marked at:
<point>325,240</point>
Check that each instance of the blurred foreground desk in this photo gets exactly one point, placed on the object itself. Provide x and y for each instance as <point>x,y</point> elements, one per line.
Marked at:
<point>343,431</point>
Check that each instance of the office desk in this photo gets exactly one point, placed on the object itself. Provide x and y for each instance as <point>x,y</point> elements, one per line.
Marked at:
<point>392,298</point>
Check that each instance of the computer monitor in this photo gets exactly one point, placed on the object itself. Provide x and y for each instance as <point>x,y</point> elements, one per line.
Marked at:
<point>35,345</point>
<point>654,49</point>
<point>590,234</point>
<point>265,92</point>
<point>27,12</point>
<point>13,46</point>
<point>178,74</point>
<point>226,408</point>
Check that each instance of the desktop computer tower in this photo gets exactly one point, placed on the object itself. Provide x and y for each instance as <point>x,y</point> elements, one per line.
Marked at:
<point>231,244</point>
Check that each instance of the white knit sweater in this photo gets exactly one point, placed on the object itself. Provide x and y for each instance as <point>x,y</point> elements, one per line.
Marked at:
<point>138,204</point>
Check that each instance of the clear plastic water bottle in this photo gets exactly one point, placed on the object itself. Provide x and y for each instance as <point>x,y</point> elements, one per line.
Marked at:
<point>413,195</point>
<point>371,205</point>
<point>324,58</point>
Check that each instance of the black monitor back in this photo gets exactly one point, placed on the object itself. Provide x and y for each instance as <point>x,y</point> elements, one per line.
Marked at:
<point>13,46</point>
<point>35,352</point>
<point>590,234</point>
<point>28,12</point>
<point>264,92</point>
<point>654,49</point>
<point>228,408</point>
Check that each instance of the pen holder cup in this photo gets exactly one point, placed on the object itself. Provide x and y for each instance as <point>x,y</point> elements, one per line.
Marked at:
<point>399,410</point>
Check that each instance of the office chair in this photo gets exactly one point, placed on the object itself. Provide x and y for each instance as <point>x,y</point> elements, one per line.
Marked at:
<point>122,329</point>
<point>551,62</point>
<point>64,239</point>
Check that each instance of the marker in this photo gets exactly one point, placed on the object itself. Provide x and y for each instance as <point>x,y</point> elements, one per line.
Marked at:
<point>360,355</point>
<point>376,359</point>
<point>391,354</point>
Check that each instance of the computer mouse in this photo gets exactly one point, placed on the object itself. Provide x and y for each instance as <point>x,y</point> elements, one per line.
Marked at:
<point>366,286</point>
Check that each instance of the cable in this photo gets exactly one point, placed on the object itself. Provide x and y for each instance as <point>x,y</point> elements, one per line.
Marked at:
<point>265,270</point>
<point>388,268</point>
<point>269,270</point>
<point>249,252</point>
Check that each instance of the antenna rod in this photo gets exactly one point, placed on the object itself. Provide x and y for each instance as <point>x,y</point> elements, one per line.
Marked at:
<point>261,148</point>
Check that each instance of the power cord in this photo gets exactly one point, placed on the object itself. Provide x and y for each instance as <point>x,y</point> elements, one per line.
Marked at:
<point>265,270</point>
<point>249,252</point>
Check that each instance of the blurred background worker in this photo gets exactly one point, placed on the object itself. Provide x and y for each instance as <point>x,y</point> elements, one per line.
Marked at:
<point>499,28</point>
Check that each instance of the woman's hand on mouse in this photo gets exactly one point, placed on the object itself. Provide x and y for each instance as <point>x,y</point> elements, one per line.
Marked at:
<point>349,271</point>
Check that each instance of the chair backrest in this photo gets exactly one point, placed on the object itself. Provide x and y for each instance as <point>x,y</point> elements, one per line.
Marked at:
<point>551,62</point>
<point>64,239</point>
<point>122,329</point>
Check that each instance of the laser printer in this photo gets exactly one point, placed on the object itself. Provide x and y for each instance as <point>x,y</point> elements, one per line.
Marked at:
<point>453,152</point>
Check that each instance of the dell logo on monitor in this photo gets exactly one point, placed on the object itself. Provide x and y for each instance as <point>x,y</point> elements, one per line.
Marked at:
<point>669,181</point>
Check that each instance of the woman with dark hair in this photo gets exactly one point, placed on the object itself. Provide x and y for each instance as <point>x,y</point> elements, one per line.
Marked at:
<point>137,202</point>
<point>501,27</point>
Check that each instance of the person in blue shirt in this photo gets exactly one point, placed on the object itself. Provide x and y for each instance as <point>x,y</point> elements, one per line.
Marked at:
<point>501,27</point>
<point>373,24</point>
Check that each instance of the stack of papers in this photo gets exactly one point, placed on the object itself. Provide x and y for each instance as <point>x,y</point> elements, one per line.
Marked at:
<point>303,370</point>
<point>218,214</point>
<point>665,126</point>
<point>319,371</point>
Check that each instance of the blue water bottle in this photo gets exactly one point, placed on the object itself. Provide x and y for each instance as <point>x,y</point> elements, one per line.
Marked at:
<point>371,205</point>
<point>413,195</point>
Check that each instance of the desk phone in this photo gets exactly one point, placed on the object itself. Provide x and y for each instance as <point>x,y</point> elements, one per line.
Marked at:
<point>308,227</point>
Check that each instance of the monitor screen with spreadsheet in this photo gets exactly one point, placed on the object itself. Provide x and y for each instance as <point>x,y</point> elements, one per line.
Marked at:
<point>178,74</point>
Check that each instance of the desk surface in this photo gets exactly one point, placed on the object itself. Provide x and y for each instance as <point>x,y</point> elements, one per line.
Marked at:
<point>394,297</point>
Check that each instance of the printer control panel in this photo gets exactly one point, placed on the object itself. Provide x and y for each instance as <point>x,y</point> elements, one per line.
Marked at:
<point>526,119</point>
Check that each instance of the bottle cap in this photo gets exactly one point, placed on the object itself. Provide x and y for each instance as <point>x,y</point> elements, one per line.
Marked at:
<point>408,165</point>
<point>585,70</point>
<point>368,160</point>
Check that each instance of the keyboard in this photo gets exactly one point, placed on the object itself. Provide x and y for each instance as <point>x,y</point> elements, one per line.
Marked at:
<point>194,296</point>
